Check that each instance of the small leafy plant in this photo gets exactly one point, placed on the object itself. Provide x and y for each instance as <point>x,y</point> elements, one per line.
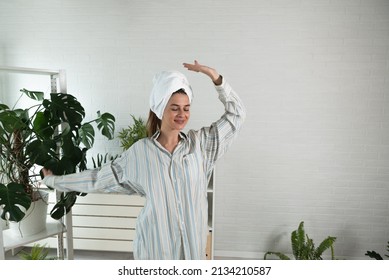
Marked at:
<point>375,255</point>
<point>128,136</point>
<point>303,247</point>
<point>38,252</point>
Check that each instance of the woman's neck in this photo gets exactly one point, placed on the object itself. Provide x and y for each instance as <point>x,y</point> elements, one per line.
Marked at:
<point>169,140</point>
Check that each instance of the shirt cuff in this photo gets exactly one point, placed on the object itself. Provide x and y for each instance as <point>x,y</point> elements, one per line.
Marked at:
<point>223,90</point>
<point>222,84</point>
<point>48,181</point>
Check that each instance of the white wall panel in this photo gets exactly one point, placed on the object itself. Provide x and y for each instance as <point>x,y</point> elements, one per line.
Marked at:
<point>313,76</point>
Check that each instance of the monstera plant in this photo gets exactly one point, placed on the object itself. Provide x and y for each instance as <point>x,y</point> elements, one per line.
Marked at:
<point>52,134</point>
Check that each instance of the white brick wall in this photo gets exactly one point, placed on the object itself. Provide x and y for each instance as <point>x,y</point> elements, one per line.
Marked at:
<point>314,78</point>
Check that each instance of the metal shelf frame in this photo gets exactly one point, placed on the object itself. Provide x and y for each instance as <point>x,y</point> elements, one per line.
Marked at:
<point>7,239</point>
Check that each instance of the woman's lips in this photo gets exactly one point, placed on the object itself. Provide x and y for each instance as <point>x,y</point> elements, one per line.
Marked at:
<point>180,121</point>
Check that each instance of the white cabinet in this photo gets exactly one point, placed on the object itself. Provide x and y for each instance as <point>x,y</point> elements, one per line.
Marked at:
<point>104,222</point>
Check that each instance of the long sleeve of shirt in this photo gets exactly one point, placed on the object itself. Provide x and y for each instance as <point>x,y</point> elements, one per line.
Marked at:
<point>216,139</point>
<point>173,223</point>
<point>104,180</point>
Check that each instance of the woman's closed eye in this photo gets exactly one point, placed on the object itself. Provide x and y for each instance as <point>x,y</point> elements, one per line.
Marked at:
<point>175,108</point>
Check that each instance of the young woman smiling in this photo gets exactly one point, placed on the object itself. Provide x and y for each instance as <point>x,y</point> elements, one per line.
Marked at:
<point>169,168</point>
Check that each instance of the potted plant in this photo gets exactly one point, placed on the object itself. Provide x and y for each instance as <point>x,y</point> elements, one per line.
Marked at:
<point>38,253</point>
<point>375,255</point>
<point>303,247</point>
<point>52,134</point>
<point>128,136</point>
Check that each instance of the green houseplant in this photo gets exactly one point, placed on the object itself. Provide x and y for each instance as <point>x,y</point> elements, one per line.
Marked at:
<point>375,255</point>
<point>128,136</point>
<point>53,134</point>
<point>38,253</point>
<point>100,160</point>
<point>303,247</point>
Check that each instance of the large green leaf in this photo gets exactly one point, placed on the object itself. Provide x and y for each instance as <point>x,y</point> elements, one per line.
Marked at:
<point>23,114</point>
<point>4,107</point>
<point>42,125</point>
<point>106,124</point>
<point>324,245</point>
<point>60,167</point>
<point>308,250</point>
<point>64,205</point>
<point>374,255</point>
<point>67,165</point>
<point>14,200</point>
<point>11,121</point>
<point>298,240</point>
<point>41,151</point>
<point>87,135</point>
<point>71,151</point>
<point>36,95</point>
<point>67,108</point>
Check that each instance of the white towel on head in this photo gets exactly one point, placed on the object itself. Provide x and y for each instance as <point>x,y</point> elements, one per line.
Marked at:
<point>165,84</point>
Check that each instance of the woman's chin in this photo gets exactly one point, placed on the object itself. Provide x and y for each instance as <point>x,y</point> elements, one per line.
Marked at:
<point>180,125</point>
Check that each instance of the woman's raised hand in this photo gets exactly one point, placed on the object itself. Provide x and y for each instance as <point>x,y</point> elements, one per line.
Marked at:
<point>197,67</point>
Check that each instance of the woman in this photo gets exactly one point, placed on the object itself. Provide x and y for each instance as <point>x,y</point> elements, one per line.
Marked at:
<point>169,168</point>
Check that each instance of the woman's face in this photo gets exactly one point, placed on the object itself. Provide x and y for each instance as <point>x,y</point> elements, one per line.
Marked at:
<point>177,112</point>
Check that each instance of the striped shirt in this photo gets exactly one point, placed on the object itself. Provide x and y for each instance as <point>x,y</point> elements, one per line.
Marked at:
<point>173,223</point>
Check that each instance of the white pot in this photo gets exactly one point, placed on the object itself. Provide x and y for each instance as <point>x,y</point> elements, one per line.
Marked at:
<point>35,219</point>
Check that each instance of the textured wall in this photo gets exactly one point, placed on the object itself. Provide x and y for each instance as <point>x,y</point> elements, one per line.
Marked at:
<point>313,75</point>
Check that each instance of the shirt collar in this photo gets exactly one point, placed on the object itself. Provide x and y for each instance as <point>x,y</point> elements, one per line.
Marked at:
<point>181,134</point>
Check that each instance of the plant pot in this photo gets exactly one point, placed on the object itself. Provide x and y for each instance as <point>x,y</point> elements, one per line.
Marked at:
<point>35,219</point>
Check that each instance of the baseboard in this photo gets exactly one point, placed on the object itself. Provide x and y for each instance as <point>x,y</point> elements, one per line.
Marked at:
<point>233,255</point>
<point>238,255</point>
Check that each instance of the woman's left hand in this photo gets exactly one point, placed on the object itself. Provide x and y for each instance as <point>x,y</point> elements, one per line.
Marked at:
<point>197,67</point>
<point>46,172</point>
